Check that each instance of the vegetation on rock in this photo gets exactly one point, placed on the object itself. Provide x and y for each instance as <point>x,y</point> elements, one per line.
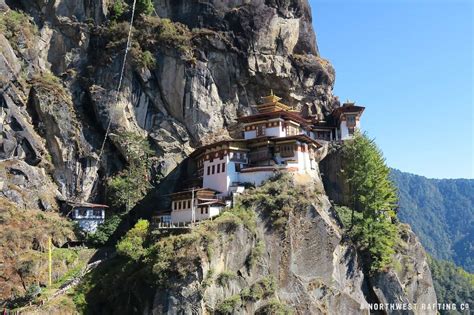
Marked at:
<point>24,237</point>
<point>229,305</point>
<point>263,288</point>
<point>150,35</point>
<point>132,244</point>
<point>277,197</point>
<point>130,185</point>
<point>103,233</point>
<point>224,277</point>
<point>275,307</point>
<point>17,28</point>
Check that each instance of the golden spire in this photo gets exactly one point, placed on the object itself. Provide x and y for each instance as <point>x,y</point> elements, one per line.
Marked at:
<point>271,104</point>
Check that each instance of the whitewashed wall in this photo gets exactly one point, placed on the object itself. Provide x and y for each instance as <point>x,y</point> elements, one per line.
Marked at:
<point>218,181</point>
<point>186,215</point>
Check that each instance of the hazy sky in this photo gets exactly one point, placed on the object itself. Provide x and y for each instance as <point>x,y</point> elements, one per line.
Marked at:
<point>410,62</point>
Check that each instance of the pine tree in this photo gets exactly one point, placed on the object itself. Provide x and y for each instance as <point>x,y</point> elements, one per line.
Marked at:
<point>374,196</point>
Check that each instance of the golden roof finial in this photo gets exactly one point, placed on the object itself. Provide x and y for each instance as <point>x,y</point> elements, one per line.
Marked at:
<point>271,92</point>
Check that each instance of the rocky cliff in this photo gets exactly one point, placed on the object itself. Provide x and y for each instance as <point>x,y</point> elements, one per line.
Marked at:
<point>206,71</point>
<point>281,250</point>
<point>193,68</point>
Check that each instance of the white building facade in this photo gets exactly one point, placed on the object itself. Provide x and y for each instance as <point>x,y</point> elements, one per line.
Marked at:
<point>89,216</point>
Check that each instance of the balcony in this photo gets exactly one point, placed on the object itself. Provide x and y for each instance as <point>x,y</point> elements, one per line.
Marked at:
<point>238,159</point>
<point>258,156</point>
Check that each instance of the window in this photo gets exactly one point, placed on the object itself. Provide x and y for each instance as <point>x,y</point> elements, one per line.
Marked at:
<point>189,203</point>
<point>351,120</point>
<point>223,167</point>
<point>213,169</point>
<point>260,130</point>
<point>97,213</point>
<point>202,210</point>
<point>351,131</point>
<point>286,150</point>
<point>208,170</point>
<point>218,168</point>
<point>207,210</point>
<point>82,212</point>
<point>237,167</point>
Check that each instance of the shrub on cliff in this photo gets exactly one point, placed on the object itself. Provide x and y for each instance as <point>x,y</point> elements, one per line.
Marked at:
<point>103,233</point>
<point>132,244</point>
<point>17,28</point>
<point>373,195</point>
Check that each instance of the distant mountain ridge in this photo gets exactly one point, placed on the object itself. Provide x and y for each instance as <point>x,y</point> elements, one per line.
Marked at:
<point>441,213</point>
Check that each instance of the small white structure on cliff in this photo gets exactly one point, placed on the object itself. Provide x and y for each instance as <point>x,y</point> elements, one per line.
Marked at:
<point>88,215</point>
<point>192,205</point>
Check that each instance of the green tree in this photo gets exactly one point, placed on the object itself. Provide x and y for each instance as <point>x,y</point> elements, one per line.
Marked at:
<point>131,245</point>
<point>129,186</point>
<point>117,9</point>
<point>103,233</point>
<point>144,7</point>
<point>372,194</point>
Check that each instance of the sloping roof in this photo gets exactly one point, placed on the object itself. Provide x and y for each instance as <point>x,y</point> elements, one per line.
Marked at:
<point>347,108</point>
<point>190,190</point>
<point>86,205</point>
<point>276,114</point>
<point>303,138</point>
<point>214,202</point>
<point>215,144</point>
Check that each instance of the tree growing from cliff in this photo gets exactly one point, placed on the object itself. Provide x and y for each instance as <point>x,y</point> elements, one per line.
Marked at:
<point>145,7</point>
<point>130,186</point>
<point>131,245</point>
<point>373,195</point>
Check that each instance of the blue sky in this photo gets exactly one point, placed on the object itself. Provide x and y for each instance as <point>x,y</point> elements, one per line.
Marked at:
<point>410,62</point>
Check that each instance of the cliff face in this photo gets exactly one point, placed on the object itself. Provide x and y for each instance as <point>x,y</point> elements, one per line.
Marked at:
<point>230,54</point>
<point>281,248</point>
<point>60,65</point>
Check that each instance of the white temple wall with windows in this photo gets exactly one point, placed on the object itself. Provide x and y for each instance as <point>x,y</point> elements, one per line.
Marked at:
<point>215,173</point>
<point>201,213</point>
<point>184,204</point>
<point>270,128</point>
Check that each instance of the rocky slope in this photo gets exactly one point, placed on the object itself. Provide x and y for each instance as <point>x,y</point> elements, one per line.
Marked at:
<point>185,82</point>
<point>282,248</point>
